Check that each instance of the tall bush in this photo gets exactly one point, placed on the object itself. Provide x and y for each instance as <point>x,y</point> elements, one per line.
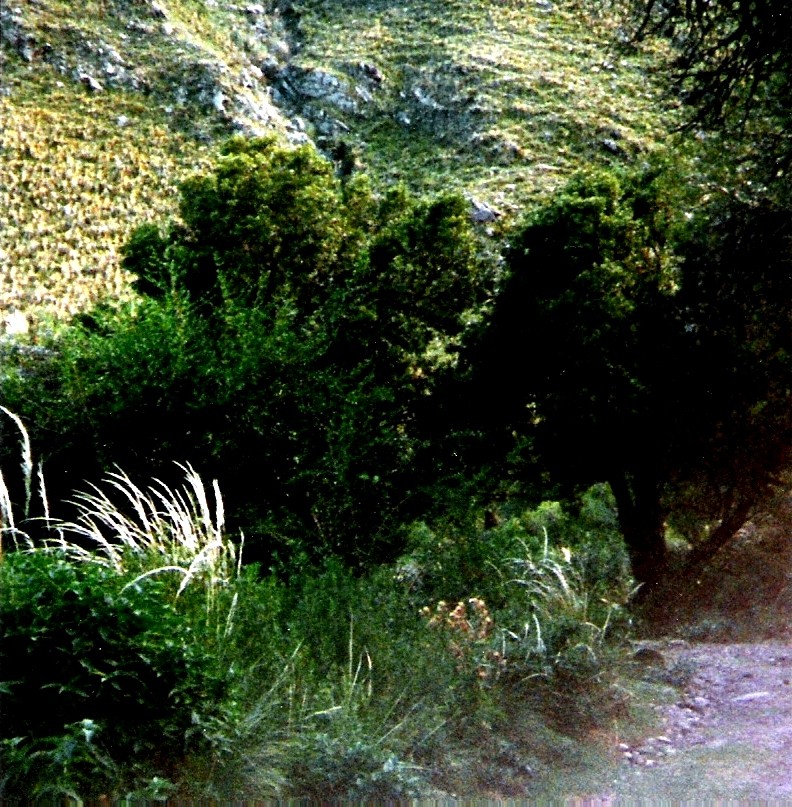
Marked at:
<point>288,337</point>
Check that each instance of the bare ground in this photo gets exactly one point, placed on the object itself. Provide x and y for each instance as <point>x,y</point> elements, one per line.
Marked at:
<point>728,736</point>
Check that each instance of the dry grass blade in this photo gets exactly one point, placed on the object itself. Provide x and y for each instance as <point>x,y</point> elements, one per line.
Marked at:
<point>8,523</point>
<point>152,572</point>
<point>6,509</point>
<point>27,459</point>
<point>153,530</point>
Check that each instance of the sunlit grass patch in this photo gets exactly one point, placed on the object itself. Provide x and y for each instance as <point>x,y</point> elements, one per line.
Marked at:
<point>79,173</point>
<point>481,93</point>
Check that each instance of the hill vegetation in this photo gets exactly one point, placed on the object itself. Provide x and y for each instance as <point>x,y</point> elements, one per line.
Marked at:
<point>500,100</point>
<point>483,356</point>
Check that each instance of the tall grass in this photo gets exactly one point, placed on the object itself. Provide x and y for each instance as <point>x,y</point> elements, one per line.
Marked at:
<point>560,622</point>
<point>8,521</point>
<point>282,720</point>
<point>329,686</point>
<point>177,531</point>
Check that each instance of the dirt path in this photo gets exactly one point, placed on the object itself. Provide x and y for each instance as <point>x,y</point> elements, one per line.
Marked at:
<point>729,736</point>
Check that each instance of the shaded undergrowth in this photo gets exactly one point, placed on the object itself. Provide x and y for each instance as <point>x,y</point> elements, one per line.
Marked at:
<point>214,679</point>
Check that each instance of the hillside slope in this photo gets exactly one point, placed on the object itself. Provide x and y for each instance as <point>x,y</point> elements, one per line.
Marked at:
<point>106,106</point>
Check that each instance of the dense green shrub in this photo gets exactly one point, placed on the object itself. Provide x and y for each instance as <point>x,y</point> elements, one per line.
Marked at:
<point>289,338</point>
<point>180,673</point>
<point>449,561</point>
<point>360,770</point>
<point>588,308</point>
<point>652,352</point>
<point>96,673</point>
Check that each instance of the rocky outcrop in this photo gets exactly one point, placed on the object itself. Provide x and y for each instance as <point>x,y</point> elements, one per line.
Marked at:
<point>16,35</point>
<point>182,73</point>
<point>327,99</point>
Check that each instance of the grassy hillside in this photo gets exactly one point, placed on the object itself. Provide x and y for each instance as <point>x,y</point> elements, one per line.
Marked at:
<point>105,108</point>
<point>503,98</point>
<point>74,183</point>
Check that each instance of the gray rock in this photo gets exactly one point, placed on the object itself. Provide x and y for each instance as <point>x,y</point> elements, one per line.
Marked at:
<point>699,704</point>
<point>482,213</point>
<point>363,94</point>
<point>158,11</point>
<point>113,55</point>
<point>751,696</point>
<point>139,27</point>
<point>318,84</point>
<point>219,101</point>
<point>270,67</point>
<point>12,31</point>
<point>425,99</point>
<point>91,83</point>
<point>609,144</point>
<point>298,138</point>
<point>281,50</point>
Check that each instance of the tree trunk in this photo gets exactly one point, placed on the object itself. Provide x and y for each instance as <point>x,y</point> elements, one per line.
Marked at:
<point>641,520</point>
<point>721,536</point>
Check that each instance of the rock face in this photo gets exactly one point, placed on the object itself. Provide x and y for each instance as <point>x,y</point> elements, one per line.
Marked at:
<point>13,33</point>
<point>258,88</point>
<point>142,47</point>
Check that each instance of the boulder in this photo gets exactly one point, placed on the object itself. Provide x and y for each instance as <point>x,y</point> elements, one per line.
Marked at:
<point>158,11</point>
<point>91,83</point>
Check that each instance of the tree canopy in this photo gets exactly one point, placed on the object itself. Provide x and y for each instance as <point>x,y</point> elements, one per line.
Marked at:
<point>288,337</point>
<point>631,350</point>
<point>732,61</point>
<point>300,336</point>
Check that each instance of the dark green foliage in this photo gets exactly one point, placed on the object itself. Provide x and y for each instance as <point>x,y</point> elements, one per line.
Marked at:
<point>654,355</point>
<point>116,688</point>
<point>731,63</point>
<point>252,686</point>
<point>730,56</point>
<point>449,563</point>
<point>95,675</point>
<point>735,307</point>
<point>344,620</point>
<point>733,67</point>
<point>267,226</point>
<point>288,344</point>
<point>117,388</point>
<point>332,769</point>
<point>586,308</point>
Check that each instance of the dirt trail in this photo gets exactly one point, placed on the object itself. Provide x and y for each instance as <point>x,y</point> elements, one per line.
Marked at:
<point>728,736</point>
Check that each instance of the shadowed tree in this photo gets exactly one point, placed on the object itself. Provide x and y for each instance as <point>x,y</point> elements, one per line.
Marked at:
<point>629,352</point>
<point>732,64</point>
